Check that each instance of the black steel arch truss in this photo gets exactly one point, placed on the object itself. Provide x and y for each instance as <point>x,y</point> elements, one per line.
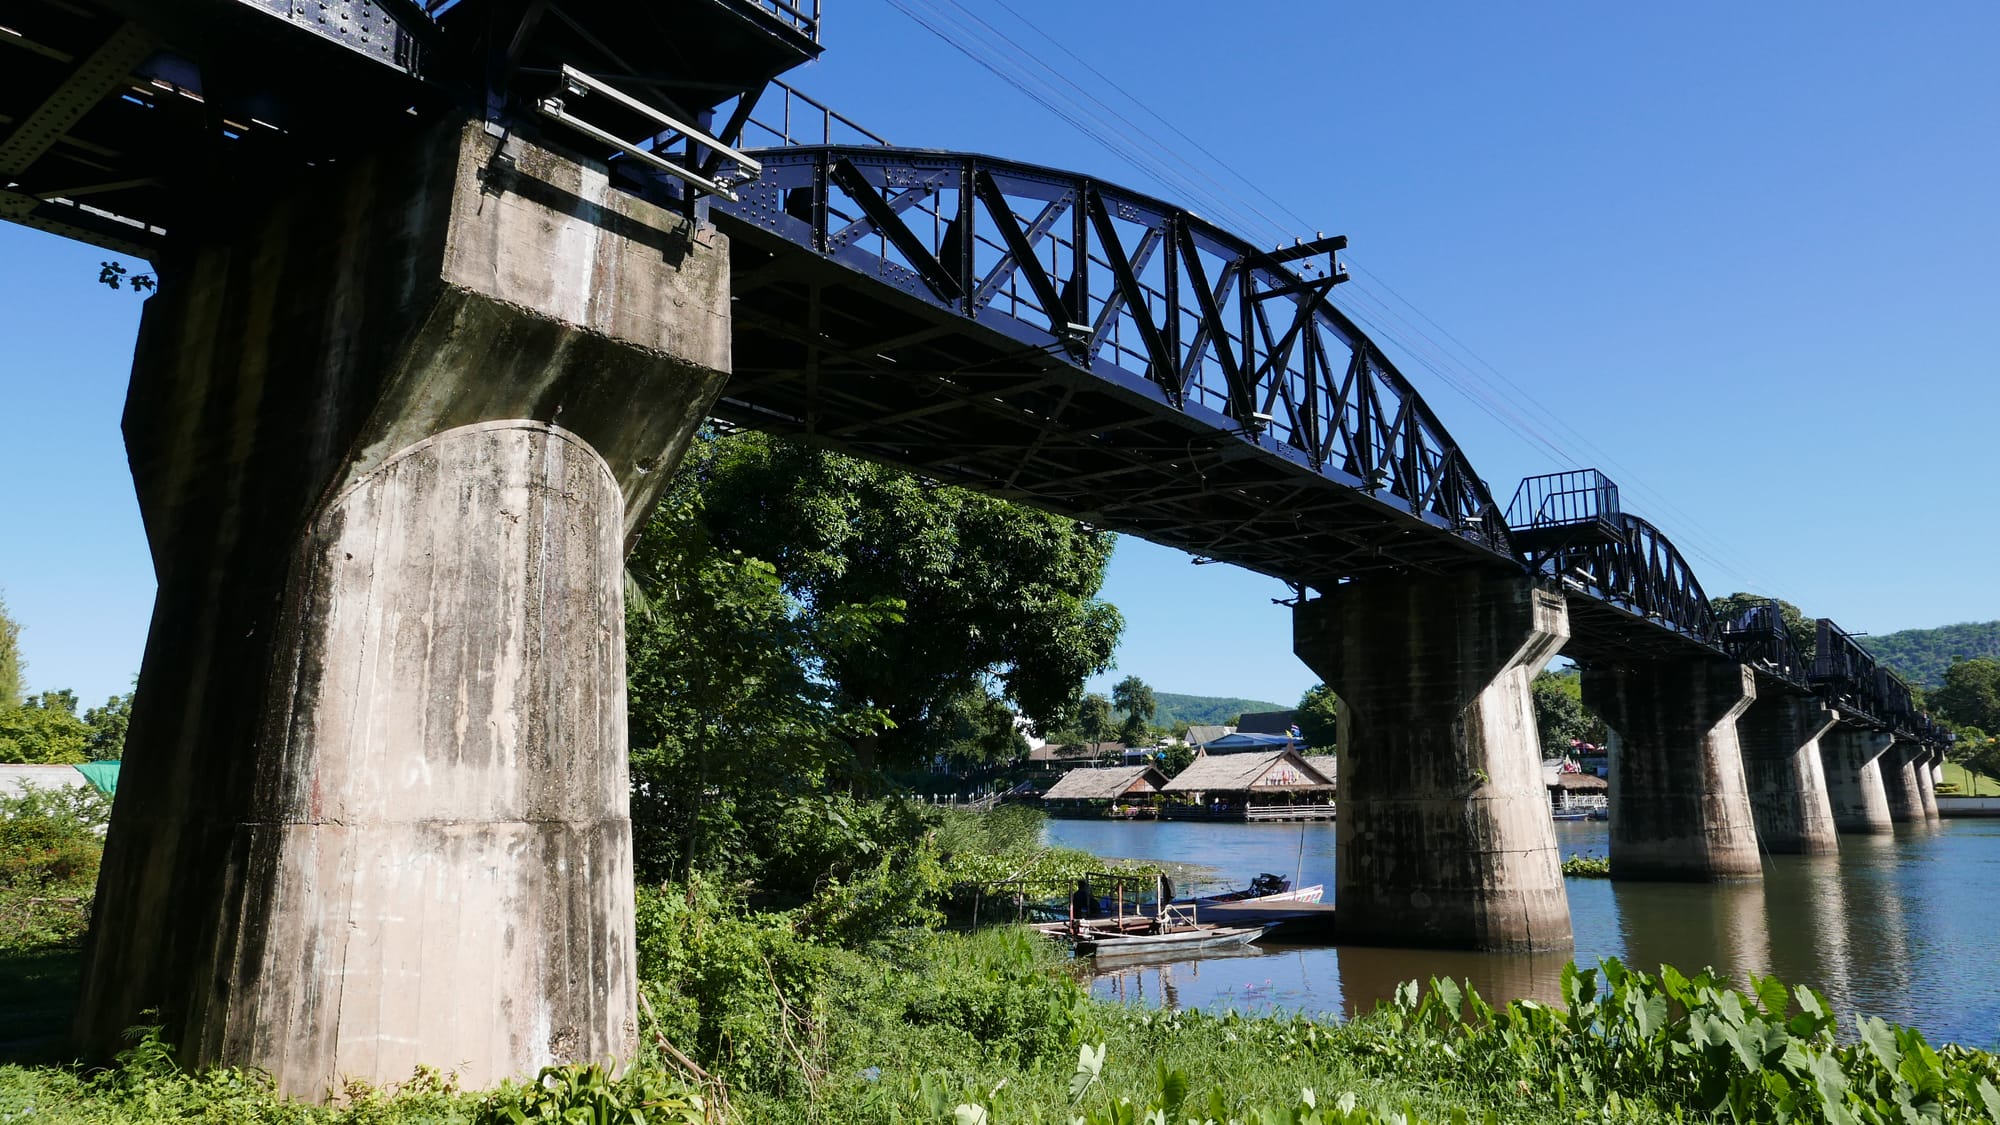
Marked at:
<point>1758,637</point>
<point>1638,571</point>
<point>1849,677</point>
<point>1141,295</point>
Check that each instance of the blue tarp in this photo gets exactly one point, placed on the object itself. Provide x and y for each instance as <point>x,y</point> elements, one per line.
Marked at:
<point>1230,743</point>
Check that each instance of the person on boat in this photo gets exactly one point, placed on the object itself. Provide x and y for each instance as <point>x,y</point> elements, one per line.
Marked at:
<point>1082,904</point>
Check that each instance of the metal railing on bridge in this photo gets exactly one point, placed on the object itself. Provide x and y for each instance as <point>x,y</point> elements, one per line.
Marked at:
<point>1569,528</point>
<point>1032,268</point>
<point>1759,638</point>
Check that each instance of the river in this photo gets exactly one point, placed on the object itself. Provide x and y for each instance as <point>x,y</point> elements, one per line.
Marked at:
<point>1905,928</point>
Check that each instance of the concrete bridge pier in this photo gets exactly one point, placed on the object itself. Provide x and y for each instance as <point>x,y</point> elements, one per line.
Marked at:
<point>1680,802</point>
<point>1853,758</point>
<point>1444,832</point>
<point>1901,784</point>
<point>1781,762</point>
<point>1926,762</point>
<point>392,431</point>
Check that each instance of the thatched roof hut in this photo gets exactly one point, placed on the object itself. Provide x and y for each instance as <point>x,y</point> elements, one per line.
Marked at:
<point>1106,784</point>
<point>1283,770</point>
<point>1278,785</point>
<point>1327,765</point>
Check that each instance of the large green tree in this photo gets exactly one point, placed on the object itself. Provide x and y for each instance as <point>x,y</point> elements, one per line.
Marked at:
<point>11,665</point>
<point>1970,696</point>
<point>44,730</point>
<point>1560,715</point>
<point>1319,718</point>
<point>992,595</point>
<point>108,725</point>
<point>979,730</point>
<point>1132,696</point>
<point>1094,720</point>
<point>1804,630</point>
<point>730,719</point>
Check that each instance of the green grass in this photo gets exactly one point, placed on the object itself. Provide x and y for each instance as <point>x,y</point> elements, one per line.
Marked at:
<point>37,995</point>
<point>841,1012</point>
<point>1970,784</point>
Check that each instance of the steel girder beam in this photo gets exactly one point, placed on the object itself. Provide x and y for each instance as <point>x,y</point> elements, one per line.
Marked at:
<point>1250,353</point>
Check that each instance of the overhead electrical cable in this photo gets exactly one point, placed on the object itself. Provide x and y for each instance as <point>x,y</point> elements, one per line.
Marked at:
<point>1520,413</point>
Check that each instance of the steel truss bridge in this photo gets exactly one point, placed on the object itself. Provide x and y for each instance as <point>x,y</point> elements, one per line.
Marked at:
<point>1028,332</point>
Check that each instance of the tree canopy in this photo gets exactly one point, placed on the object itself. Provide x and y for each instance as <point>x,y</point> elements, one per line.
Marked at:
<point>993,597</point>
<point>11,667</point>
<point>1560,715</point>
<point>44,730</point>
<point>1132,696</point>
<point>1319,718</point>
<point>1804,630</point>
<point>1970,696</point>
<point>1094,720</point>
<point>1924,655</point>
<point>797,619</point>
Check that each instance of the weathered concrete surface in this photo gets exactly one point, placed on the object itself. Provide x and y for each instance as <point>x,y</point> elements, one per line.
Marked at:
<point>1781,762</point>
<point>1444,831</point>
<point>1927,770</point>
<point>1680,803</point>
<point>391,433</point>
<point>1853,760</point>
<point>1901,785</point>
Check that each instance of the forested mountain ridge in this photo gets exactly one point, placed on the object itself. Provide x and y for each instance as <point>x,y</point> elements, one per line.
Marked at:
<point>1922,655</point>
<point>1198,710</point>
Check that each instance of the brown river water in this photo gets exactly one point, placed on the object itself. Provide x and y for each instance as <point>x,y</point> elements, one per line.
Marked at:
<point>1907,928</point>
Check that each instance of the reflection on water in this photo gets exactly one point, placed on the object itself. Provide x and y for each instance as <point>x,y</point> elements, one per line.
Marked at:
<point>1900,927</point>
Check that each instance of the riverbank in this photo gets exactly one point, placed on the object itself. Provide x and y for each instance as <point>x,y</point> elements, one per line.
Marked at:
<point>853,1007</point>
<point>1885,928</point>
<point>990,1027</point>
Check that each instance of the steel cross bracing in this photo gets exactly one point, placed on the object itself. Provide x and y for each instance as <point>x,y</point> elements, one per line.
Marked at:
<point>1631,594</point>
<point>1058,340</point>
<point>1758,638</point>
<point>1865,692</point>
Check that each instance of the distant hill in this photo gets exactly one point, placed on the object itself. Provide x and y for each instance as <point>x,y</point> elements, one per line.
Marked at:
<point>1199,709</point>
<point>1922,655</point>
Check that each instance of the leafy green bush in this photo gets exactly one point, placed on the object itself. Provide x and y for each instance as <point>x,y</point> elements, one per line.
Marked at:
<point>778,1012</point>
<point>51,843</point>
<point>147,1087</point>
<point>1588,866</point>
<point>1672,1041</point>
<point>591,1095</point>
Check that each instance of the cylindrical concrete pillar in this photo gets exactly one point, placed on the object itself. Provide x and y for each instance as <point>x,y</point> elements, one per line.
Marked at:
<point>1680,803</point>
<point>1853,762</point>
<point>1900,784</point>
<point>1444,834</point>
<point>1781,762</point>
<point>1927,781</point>
<point>391,430</point>
<point>442,815</point>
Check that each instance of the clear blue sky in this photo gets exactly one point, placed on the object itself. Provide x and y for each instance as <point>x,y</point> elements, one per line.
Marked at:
<point>1747,250</point>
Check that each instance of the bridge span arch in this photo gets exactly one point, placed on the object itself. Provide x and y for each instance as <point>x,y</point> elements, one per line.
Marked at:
<point>1054,339</point>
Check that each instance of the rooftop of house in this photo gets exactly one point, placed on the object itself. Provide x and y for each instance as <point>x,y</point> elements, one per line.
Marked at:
<point>1105,784</point>
<point>1267,722</point>
<point>1223,773</point>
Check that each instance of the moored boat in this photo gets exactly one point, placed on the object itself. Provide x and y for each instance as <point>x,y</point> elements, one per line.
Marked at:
<point>1179,940</point>
<point>1265,888</point>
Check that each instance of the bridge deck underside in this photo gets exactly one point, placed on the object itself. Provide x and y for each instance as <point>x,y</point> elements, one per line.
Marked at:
<point>827,356</point>
<point>1605,632</point>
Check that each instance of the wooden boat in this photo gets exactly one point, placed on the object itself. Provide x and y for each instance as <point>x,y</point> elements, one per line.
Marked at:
<point>1174,929</point>
<point>1192,939</point>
